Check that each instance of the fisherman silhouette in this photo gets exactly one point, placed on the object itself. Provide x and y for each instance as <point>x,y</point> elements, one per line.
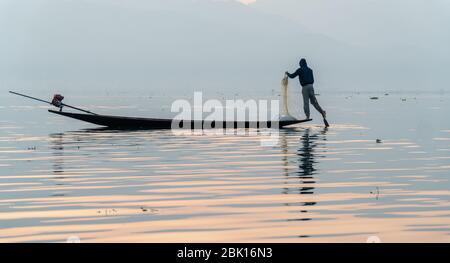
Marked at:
<point>306,77</point>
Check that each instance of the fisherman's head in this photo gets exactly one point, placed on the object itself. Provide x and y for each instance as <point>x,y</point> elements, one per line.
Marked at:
<point>303,63</point>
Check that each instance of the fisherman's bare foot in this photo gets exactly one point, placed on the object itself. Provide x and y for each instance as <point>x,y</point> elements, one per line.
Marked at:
<point>326,123</point>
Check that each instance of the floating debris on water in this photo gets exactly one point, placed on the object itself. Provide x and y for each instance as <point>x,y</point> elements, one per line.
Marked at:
<point>374,98</point>
<point>376,193</point>
<point>378,141</point>
<point>403,99</point>
<point>107,212</point>
<point>151,210</point>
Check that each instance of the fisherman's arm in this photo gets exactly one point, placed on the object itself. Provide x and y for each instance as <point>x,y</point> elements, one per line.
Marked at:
<point>294,75</point>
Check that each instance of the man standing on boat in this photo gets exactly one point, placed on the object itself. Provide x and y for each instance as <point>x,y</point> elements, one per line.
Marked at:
<point>306,77</point>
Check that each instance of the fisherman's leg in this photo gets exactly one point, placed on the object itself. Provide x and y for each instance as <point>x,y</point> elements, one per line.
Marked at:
<point>305,95</point>
<point>314,101</point>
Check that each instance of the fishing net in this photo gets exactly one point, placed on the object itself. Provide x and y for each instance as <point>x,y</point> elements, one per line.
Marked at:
<point>285,114</point>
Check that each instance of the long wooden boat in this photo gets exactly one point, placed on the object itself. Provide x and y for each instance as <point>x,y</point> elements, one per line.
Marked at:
<point>118,122</point>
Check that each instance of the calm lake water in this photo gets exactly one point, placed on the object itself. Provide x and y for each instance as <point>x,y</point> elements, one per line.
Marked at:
<point>58,179</point>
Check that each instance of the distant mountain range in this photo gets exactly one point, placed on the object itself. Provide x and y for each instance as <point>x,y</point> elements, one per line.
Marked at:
<point>178,46</point>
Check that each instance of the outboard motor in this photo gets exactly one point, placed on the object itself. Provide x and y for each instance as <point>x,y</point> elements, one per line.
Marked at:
<point>57,101</point>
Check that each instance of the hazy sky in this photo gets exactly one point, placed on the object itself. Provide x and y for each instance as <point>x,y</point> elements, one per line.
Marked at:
<point>369,22</point>
<point>177,46</point>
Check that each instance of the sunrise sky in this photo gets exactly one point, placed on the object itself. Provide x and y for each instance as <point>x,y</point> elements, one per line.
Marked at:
<point>247,1</point>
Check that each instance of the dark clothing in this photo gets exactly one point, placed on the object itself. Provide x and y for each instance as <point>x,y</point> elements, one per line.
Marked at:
<point>309,96</point>
<point>305,75</point>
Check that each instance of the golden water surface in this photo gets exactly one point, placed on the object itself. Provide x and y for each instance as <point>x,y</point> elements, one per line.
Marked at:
<point>313,185</point>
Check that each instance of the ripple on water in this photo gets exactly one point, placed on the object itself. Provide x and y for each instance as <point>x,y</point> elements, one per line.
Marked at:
<point>314,185</point>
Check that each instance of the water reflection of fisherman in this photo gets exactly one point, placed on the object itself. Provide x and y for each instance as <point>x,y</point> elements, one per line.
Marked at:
<point>306,154</point>
<point>306,157</point>
<point>306,161</point>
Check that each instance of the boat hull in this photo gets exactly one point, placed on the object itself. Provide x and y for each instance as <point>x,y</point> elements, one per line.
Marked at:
<point>118,122</point>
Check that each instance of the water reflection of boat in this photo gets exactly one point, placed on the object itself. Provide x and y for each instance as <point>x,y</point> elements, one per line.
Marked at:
<point>57,147</point>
